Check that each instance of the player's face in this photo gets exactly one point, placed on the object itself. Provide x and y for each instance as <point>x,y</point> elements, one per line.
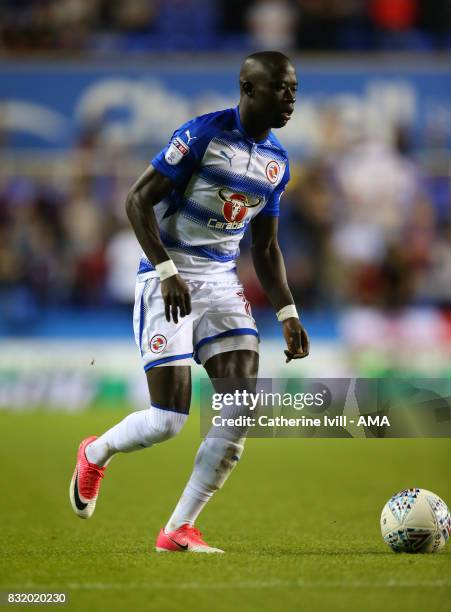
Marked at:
<point>275,95</point>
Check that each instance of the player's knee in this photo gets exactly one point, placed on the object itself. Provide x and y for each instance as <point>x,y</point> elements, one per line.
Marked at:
<point>163,424</point>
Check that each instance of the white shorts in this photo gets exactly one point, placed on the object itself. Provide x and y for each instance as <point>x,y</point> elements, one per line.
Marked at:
<point>220,321</point>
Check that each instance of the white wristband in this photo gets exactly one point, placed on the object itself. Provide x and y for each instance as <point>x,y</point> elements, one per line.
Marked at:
<point>166,269</point>
<point>287,312</point>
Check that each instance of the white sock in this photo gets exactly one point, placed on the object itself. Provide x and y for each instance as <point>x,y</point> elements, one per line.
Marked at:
<point>214,462</point>
<point>138,430</point>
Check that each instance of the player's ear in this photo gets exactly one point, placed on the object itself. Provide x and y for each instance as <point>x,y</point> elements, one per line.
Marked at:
<point>247,88</point>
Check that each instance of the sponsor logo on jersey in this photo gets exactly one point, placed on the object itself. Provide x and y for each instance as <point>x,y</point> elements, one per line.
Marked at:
<point>158,343</point>
<point>234,207</point>
<point>176,151</point>
<point>234,210</point>
<point>272,172</point>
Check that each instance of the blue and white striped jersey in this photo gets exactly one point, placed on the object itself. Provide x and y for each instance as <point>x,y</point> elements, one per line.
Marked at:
<point>222,179</point>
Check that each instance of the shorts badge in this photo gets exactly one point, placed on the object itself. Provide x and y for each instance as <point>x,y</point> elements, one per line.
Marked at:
<point>158,343</point>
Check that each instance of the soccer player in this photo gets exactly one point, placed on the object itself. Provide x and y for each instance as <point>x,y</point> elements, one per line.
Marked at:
<point>219,173</point>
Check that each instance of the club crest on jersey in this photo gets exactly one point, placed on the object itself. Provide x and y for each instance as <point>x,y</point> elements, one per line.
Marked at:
<point>176,151</point>
<point>272,172</point>
<point>158,343</point>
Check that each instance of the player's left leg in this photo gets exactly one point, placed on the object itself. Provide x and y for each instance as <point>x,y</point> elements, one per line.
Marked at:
<point>216,458</point>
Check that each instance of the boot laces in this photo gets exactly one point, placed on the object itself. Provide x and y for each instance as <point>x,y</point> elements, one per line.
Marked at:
<point>191,530</point>
<point>92,482</point>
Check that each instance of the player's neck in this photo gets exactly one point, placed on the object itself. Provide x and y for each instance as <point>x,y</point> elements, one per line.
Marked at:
<point>252,126</point>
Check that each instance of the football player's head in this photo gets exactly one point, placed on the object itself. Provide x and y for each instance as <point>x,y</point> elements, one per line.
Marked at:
<point>268,86</point>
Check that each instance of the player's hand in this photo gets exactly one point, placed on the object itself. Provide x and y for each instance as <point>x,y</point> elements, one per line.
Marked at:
<point>177,298</point>
<point>296,338</point>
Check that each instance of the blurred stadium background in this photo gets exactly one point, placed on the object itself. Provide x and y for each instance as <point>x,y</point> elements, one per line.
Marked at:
<point>90,91</point>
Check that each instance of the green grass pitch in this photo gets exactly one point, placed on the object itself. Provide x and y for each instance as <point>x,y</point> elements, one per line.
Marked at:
<point>299,520</point>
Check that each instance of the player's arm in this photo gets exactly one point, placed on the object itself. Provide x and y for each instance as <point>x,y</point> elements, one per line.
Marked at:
<point>270,268</point>
<point>149,190</point>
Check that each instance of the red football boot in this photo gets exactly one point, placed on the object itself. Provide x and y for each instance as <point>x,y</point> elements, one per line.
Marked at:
<point>85,483</point>
<point>184,539</point>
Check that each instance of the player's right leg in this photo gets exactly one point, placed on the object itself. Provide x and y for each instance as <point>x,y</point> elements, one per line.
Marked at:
<point>166,349</point>
<point>170,389</point>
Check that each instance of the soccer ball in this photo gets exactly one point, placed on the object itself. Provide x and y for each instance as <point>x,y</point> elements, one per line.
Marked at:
<point>415,521</point>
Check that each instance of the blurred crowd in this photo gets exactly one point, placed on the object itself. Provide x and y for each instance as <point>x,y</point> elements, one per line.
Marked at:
<point>363,223</point>
<point>105,26</point>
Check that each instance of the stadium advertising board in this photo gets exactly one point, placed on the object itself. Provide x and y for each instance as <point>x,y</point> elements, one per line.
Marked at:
<point>50,105</point>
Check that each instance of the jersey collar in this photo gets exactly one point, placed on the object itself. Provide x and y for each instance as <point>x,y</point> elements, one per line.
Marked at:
<point>243,131</point>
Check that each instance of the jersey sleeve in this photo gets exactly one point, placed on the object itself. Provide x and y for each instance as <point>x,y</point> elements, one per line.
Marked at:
<point>271,208</point>
<point>183,154</point>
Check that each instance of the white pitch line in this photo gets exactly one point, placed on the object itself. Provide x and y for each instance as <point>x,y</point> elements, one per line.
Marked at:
<point>270,584</point>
